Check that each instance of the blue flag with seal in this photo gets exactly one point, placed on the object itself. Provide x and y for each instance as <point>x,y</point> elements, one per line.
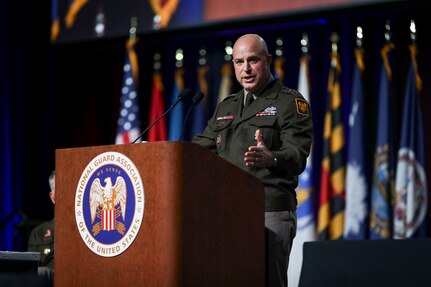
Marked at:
<point>411,199</point>
<point>383,182</point>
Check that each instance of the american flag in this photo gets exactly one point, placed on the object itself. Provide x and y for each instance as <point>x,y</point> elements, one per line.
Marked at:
<point>129,119</point>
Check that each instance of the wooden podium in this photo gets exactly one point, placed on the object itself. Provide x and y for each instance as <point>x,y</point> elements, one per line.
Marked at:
<point>202,224</point>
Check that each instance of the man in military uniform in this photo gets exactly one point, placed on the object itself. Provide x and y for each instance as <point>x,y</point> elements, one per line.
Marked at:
<point>265,129</point>
<point>42,240</point>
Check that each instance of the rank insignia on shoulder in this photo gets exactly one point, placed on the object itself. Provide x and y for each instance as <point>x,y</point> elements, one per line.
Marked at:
<point>302,107</point>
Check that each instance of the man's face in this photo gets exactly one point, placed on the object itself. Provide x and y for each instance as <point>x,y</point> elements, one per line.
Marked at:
<point>251,64</point>
<point>52,192</point>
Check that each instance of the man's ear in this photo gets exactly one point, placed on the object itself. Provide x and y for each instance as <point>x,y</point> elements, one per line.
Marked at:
<point>269,59</point>
<point>52,196</point>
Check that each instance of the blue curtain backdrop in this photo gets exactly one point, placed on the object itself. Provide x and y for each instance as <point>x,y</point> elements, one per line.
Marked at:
<point>26,151</point>
<point>6,222</point>
<point>67,95</point>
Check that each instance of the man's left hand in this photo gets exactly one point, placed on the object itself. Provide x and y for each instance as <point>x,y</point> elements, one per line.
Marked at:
<point>259,155</point>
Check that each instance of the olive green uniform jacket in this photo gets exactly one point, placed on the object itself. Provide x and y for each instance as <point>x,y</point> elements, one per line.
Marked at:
<point>42,240</point>
<point>283,117</point>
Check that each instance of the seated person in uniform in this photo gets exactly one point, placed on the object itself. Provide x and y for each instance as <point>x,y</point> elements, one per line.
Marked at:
<point>42,240</point>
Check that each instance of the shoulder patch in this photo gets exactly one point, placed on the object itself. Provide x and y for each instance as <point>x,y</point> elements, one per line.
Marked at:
<point>302,107</point>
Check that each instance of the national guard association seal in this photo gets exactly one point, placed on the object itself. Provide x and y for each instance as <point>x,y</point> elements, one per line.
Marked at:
<point>109,204</point>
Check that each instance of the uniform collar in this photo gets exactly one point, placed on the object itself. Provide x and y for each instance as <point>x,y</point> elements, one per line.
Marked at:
<point>269,95</point>
<point>258,93</point>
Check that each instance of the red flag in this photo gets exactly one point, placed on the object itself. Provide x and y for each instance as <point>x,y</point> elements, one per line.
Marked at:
<point>158,132</point>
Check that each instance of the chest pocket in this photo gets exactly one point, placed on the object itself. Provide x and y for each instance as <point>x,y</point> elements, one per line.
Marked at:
<point>221,133</point>
<point>222,124</point>
<point>268,129</point>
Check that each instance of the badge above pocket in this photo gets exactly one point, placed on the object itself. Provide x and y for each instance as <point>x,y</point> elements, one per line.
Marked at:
<point>223,122</point>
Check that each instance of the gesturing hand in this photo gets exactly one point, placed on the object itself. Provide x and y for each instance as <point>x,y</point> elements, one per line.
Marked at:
<point>259,155</point>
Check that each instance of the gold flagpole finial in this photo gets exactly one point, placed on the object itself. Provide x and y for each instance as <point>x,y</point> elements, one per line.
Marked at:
<point>157,61</point>
<point>334,43</point>
<point>228,51</point>
<point>413,31</point>
<point>304,44</point>
<point>202,56</point>
<point>133,27</point>
<point>279,47</point>
<point>179,58</point>
<point>388,32</point>
<point>359,36</point>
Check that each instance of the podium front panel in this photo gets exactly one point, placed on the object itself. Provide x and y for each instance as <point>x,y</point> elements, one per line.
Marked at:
<point>203,221</point>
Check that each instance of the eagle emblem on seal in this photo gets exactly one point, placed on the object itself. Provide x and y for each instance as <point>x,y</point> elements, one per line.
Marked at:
<point>108,203</point>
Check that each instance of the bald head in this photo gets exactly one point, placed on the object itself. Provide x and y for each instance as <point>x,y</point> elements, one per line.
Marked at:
<point>251,62</point>
<point>252,40</point>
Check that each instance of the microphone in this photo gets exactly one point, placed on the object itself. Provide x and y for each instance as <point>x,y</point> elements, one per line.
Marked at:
<point>197,98</point>
<point>183,95</point>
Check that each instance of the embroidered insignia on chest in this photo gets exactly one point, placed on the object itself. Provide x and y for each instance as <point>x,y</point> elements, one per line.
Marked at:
<point>218,139</point>
<point>270,111</point>
<point>229,117</point>
<point>48,233</point>
<point>302,107</point>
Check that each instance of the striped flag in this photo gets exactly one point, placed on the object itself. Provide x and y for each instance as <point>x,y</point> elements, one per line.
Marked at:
<point>108,219</point>
<point>356,210</point>
<point>305,223</point>
<point>331,200</point>
<point>158,132</point>
<point>411,199</point>
<point>200,112</point>
<point>383,182</point>
<point>176,118</point>
<point>129,120</point>
<point>225,82</point>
